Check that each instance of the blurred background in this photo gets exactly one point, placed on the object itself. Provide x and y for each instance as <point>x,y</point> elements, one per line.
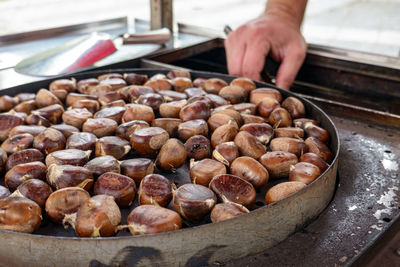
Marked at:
<point>364,25</point>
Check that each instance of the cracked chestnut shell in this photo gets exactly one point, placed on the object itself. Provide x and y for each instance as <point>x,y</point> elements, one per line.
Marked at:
<point>100,165</point>
<point>224,133</point>
<point>23,172</point>
<point>198,147</point>
<point>125,130</point>
<point>19,214</point>
<point>226,153</point>
<point>155,189</point>
<point>61,176</point>
<point>231,188</point>
<point>225,211</point>
<point>65,201</point>
<point>282,190</point>
<point>121,187</point>
<point>263,131</point>
<point>250,170</point>
<point>137,168</point>
<point>172,155</point>
<point>149,219</point>
<point>193,201</point>
<point>71,156</point>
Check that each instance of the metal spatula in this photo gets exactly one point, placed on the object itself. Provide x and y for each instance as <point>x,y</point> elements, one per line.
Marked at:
<point>85,51</point>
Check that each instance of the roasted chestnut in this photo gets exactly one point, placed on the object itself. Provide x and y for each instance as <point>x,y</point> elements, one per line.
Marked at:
<point>231,188</point>
<point>263,131</point>
<point>246,108</point>
<point>114,113</point>
<point>65,129</point>
<point>181,83</point>
<point>193,201</point>
<point>295,107</point>
<point>100,127</point>
<point>138,112</point>
<point>214,85</point>
<point>100,165</point>
<point>278,163</point>
<point>194,111</point>
<point>4,192</point>
<point>304,172</point>
<point>203,171</point>
<point>152,100</point>
<point>169,124</point>
<point>31,129</point>
<point>137,168</point>
<point>148,141</point>
<point>282,190</point>
<point>226,153</point>
<point>314,159</point>
<point>198,147</point>
<point>23,172</point>
<point>24,156</point>
<point>135,79</point>
<point>155,189</point>
<point>248,118</point>
<point>34,189</point>
<point>245,83</point>
<point>224,133</point>
<point>49,140</point>
<point>317,132</point>
<point>17,143</point>
<point>82,141</point>
<point>7,102</point>
<point>250,170</point>
<point>259,94</point>
<point>46,98</point>
<point>293,132</point>
<point>91,105</point>
<point>121,187</point>
<point>319,148</point>
<point>125,130</point>
<point>172,155</point>
<point>61,176</point>
<point>225,211</point>
<point>266,106</point>
<point>71,156</point>
<point>280,117</point>
<point>233,93</point>
<point>172,109</point>
<point>74,97</point>
<point>249,145</point>
<point>7,122</point>
<point>288,144</point>
<point>34,119</point>
<point>113,146</point>
<point>188,129</point>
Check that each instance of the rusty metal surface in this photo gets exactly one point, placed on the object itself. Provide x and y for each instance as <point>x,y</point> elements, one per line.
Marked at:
<point>366,201</point>
<point>200,245</point>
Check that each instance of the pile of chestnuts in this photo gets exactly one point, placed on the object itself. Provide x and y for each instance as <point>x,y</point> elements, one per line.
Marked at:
<point>79,152</point>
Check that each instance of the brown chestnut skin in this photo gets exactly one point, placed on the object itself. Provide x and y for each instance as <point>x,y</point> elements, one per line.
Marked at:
<point>224,133</point>
<point>159,84</point>
<point>317,132</point>
<point>150,219</point>
<point>65,84</point>
<point>193,201</point>
<point>100,165</point>
<point>19,214</point>
<point>203,171</point>
<point>132,92</point>
<point>83,86</point>
<point>292,145</point>
<point>70,156</point>
<point>74,97</point>
<point>46,98</point>
<point>31,129</point>
<point>194,91</point>
<point>202,98</point>
<point>249,145</point>
<point>169,95</point>
<point>121,187</point>
<point>138,112</point>
<point>219,119</point>
<point>181,83</point>
<point>234,94</point>
<point>100,127</point>
<point>97,217</point>
<point>113,146</point>
<point>248,118</point>
<point>198,147</point>
<point>266,106</point>
<point>280,117</point>
<point>314,159</point>
<point>91,105</point>
<point>65,201</point>
<point>155,189</point>
<point>319,148</point>
<point>260,93</point>
<point>194,111</point>
<point>115,83</point>
<point>178,73</point>
<point>61,176</point>
<point>231,188</point>
<point>52,113</point>
<point>293,132</point>
<point>17,143</point>
<point>282,190</point>
<point>304,172</point>
<point>191,128</point>
<point>34,119</point>
<point>148,141</point>
<point>278,163</point>
<point>225,211</point>
<point>23,172</point>
<point>214,85</point>
<point>137,168</point>
<point>24,156</point>
<point>49,140</point>
<point>114,113</point>
<point>250,170</point>
<point>76,117</point>
<point>36,190</point>
<point>125,130</point>
<point>199,82</point>
<point>169,124</point>
<point>22,97</point>
<point>135,79</point>
<point>4,192</point>
<point>3,160</point>
<point>295,107</point>
<point>302,122</point>
<point>7,122</point>
<point>82,141</point>
<point>235,115</point>
<point>172,155</point>
<point>26,106</point>
<point>247,108</point>
<point>245,83</point>
<point>172,109</point>
<point>263,131</point>
<point>65,129</point>
<point>109,76</point>
<point>109,97</point>
<point>226,153</point>
<point>116,103</point>
<point>7,102</point>
<point>152,100</point>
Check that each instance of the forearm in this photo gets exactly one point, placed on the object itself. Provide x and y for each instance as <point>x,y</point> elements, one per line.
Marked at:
<point>293,10</point>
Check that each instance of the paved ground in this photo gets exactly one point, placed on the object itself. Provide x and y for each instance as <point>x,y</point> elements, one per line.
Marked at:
<point>367,25</point>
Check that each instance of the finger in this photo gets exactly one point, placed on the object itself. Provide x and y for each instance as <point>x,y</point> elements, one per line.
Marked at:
<point>254,59</point>
<point>290,65</point>
<point>235,49</point>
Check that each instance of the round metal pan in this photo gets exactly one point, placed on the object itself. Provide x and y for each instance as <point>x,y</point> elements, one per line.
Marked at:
<point>198,245</point>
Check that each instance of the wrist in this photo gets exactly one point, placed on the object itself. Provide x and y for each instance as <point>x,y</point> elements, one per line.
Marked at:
<point>291,11</point>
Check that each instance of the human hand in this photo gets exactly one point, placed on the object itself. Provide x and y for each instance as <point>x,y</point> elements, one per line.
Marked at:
<point>248,46</point>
